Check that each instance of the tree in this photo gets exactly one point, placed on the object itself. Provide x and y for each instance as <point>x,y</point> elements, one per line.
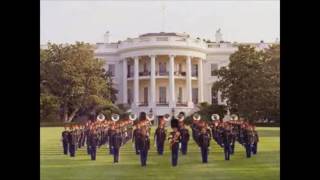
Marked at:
<point>250,83</point>
<point>206,110</point>
<point>272,71</point>
<point>75,77</point>
<point>111,91</point>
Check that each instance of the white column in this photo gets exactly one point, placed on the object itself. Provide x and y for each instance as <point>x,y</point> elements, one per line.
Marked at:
<point>172,98</point>
<point>188,82</point>
<point>153,81</point>
<point>124,83</point>
<point>136,81</point>
<point>200,79</point>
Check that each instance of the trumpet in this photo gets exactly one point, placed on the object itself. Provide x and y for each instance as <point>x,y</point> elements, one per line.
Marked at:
<point>215,117</point>
<point>234,117</point>
<point>115,117</point>
<point>196,117</point>
<point>101,117</point>
<point>132,117</point>
<point>166,117</point>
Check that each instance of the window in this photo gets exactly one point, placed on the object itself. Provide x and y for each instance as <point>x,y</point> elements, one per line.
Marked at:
<point>145,95</point>
<point>195,95</point>
<point>162,67</point>
<point>180,95</point>
<point>213,68</point>
<point>145,67</point>
<point>162,95</point>
<point>180,68</point>
<point>130,99</point>
<point>129,71</point>
<point>194,69</point>
<point>111,69</point>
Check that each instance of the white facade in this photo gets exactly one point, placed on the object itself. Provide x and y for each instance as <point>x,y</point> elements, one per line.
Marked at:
<point>165,71</point>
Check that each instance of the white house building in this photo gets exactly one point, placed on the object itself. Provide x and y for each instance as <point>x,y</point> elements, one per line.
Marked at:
<point>165,72</point>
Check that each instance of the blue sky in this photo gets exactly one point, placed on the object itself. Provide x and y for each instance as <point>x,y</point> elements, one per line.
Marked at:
<point>241,21</point>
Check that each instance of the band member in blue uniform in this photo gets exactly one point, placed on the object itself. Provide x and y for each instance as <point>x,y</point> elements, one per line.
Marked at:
<point>174,140</point>
<point>111,133</point>
<point>116,144</point>
<point>135,137</point>
<point>204,143</point>
<point>226,140</point>
<point>65,135</point>
<point>248,141</point>
<point>233,135</point>
<point>195,131</point>
<point>143,146</point>
<point>255,141</point>
<point>93,139</point>
<point>72,139</point>
<point>160,137</point>
<point>184,138</point>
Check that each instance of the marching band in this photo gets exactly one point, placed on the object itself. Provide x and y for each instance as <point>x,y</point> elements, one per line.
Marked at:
<point>115,133</point>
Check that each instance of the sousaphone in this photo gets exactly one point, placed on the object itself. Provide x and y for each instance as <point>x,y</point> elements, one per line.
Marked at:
<point>101,117</point>
<point>234,117</point>
<point>132,117</point>
<point>166,117</point>
<point>215,117</point>
<point>180,117</point>
<point>115,117</point>
<point>196,117</point>
<point>150,116</point>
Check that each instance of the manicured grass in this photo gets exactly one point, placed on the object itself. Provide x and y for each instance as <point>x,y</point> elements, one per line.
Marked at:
<point>263,166</point>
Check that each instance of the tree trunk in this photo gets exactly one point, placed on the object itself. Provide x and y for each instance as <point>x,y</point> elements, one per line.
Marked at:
<point>74,112</point>
<point>65,114</point>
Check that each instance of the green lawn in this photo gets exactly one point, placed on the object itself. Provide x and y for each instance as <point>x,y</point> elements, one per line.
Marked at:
<point>263,166</point>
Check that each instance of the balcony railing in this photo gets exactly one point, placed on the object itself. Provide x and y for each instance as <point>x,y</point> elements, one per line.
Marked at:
<point>145,73</point>
<point>194,74</point>
<point>179,73</point>
<point>130,74</point>
<point>181,104</point>
<point>162,73</point>
<point>162,103</point>
<point>143,104</point>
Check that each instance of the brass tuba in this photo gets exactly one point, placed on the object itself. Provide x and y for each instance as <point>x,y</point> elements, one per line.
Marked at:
<point>215,117</point>
<point>101,117</point>
<point>196,117</point>
<point>115,117</point>
<point>150,117</point>
<point>180,117</point>
<point>234,117</point>
<point>132,117</point>
<point>166,117</point>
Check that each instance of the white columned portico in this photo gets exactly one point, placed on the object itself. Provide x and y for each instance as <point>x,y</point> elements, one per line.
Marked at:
<point>124,83</point>
<point>153,81</point>
<point>171,82</point>
<point>200,79</point>
<point>189,83</point>
<point>136,82</point>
